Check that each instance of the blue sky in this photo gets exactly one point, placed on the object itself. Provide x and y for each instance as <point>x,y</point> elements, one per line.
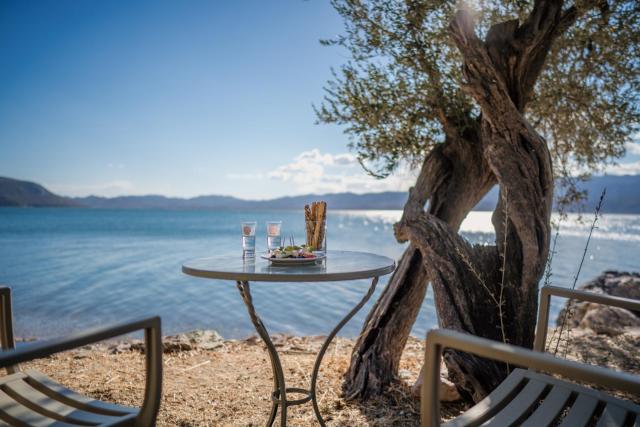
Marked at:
<point>179,98</point>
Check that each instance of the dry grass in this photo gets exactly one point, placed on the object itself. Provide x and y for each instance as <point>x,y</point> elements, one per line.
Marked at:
<point>621,352</point>
<point>231,385</point>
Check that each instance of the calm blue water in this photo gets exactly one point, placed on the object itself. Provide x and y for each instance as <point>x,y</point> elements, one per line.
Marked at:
<point>73,268</point>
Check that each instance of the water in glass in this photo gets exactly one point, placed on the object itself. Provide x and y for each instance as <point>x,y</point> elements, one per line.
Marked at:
<point>274,235</point>
<point>249,239</point>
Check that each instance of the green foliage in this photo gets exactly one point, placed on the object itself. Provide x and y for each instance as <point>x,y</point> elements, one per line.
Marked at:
<point>587,99</point>
<point>404,72</point>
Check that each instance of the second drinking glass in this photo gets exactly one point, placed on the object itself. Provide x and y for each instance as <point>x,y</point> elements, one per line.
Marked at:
<point>274,235</point>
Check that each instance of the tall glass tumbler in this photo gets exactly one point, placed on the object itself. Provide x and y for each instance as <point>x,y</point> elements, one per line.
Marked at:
<point>249,239</point>
<point>316,232</point>
<point>274,235</point>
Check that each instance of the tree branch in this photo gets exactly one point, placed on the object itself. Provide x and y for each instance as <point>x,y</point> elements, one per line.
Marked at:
<point>454,177</point>
<point>483,80</point>
<point>534,39</point>
<point>573,13</point>
<point>445,251</point>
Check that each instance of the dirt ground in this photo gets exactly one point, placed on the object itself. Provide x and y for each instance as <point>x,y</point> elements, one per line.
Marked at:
<point>231,385</point>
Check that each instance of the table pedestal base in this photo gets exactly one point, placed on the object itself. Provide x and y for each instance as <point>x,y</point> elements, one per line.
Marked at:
<point>279,397</point>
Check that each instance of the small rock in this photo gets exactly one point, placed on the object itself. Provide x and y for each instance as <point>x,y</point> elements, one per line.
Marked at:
<point>253,340</point>
<point>280,340</point>
<point>206,340</point>
<point>137,345</point>
<point>626,287</point>
<point>404,374</point>
<point>81,354</point>
<point>176,343</point>
<point>203,340</point>
<point>448,391</point>
<point>611,321</point>
<point>120,347</point>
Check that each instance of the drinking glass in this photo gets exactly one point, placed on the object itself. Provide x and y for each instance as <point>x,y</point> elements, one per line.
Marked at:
<point>317,236</point>
<point>274,235</point>
<point>249,265</point>
<point>249,239</point>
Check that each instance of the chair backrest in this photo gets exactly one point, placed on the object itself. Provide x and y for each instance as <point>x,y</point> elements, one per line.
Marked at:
<point>7,340</point>
<point>440,339</point>
<point>546,292</point>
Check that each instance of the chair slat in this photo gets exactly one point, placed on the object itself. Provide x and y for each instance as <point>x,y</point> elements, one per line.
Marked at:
<point>581,412</point>
<point>56,391</point>
<point>519,407</point>
<point>612,416</point>
<point>12,377</point>
<point>550,408</point>
<point>19,415</point>
<point>491,404</point>
<point>38,401</point>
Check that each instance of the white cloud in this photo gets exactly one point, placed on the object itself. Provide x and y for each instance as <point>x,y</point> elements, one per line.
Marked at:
<point>633,148</point>
<point>631,168</point>
<point>316,172</point>
<point>345,159</point>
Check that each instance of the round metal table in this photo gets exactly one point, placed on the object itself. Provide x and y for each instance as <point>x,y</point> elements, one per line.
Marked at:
<point>338,266</point>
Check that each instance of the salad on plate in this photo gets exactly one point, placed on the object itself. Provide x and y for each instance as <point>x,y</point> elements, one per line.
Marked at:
<point>293,252</point>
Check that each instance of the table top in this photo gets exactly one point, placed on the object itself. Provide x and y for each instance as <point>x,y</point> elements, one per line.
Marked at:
<point>338,265</point>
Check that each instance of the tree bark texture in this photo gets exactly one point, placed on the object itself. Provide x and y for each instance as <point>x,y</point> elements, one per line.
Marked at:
<point>490,291</point>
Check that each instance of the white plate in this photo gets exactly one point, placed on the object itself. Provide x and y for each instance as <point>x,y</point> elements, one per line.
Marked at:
<point>292,261</point>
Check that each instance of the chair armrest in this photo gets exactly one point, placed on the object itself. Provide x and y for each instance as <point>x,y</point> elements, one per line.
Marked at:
<point>545,298</point>
<point>7,340</point>
<point>439,339</point>
<point>46,348</point>
<point>153,355</point>
<point>6,319</point>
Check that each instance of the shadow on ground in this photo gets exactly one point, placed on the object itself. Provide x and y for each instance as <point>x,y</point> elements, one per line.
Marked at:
<point>399,407</point>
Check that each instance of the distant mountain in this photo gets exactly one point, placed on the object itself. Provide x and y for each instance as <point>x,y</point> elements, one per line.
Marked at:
<point>29,194</point>
<point>623,196</point>
<point>386,200</point>
<point>623,193</point>
<point>136,202</point>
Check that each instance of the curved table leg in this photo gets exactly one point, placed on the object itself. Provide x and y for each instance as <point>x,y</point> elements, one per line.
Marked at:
<point>279,395</point>
<point>325,345</point>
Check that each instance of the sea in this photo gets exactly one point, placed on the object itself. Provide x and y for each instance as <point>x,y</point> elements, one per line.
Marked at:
<point>76,268</point>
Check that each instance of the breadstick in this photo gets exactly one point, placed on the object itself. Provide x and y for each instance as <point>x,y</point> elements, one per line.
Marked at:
<point>322,223</point>
<point>308,224</point>
<point>315,224</point>
<point>316,231</point>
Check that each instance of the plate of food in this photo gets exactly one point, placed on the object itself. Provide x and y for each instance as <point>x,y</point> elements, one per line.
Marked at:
<point>292,255</point>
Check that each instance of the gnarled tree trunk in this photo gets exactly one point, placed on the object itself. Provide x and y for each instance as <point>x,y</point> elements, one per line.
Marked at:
<point>490,291</point>
<point>453,178</point>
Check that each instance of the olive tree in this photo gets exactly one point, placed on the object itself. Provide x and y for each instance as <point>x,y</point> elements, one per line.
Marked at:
<point>514,93</point>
